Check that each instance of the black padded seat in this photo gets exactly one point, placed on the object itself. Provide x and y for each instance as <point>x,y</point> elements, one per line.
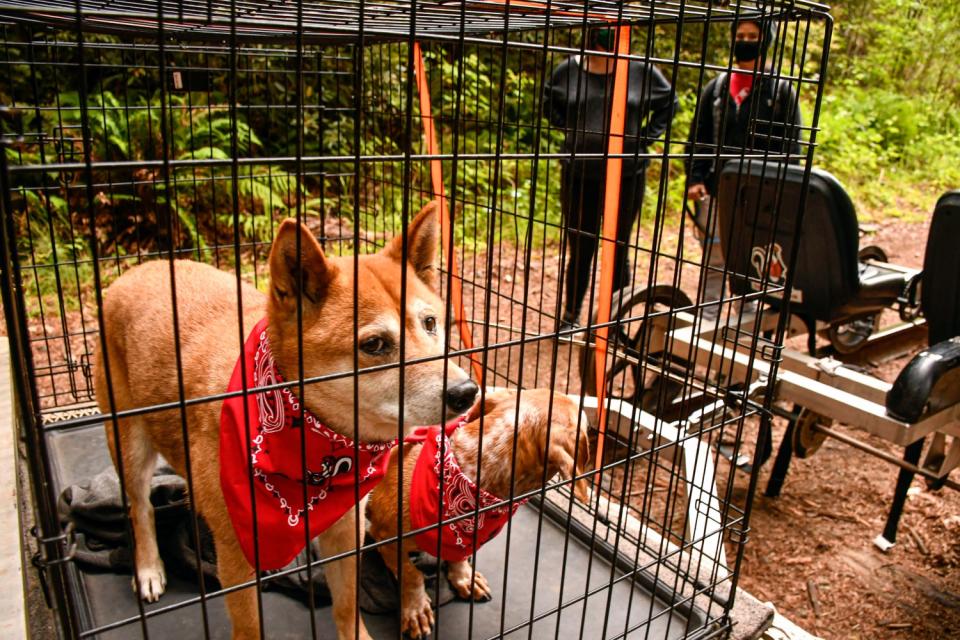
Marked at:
<point>758,208</point>
<point>940,289</point>
<point>931,380</point>
<point>878,287</point>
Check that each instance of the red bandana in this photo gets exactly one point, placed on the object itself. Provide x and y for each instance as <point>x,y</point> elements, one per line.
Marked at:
<point>276,419</point>
<point>459,498</point>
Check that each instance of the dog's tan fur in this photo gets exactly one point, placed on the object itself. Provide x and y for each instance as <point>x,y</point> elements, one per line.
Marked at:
<point>501,427</point>
<point>141,354</point>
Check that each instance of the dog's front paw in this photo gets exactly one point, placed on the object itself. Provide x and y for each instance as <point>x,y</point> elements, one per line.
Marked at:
<point>416,616</point>
<point>469,584</point>
<point>152,580</point>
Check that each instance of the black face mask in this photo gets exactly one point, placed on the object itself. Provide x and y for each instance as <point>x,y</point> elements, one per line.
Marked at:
<point>746,50</point>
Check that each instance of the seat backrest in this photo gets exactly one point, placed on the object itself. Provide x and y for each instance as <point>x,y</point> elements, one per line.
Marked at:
<point>940,288</point>
<point>758,208</point>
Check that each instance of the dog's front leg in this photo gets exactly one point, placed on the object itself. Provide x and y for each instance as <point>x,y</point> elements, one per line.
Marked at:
<point>416,612</point>
<point>342,574</point>
<point>233,569</point>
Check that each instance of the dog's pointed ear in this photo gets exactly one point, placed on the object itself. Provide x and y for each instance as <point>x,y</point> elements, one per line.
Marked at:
<point>475,411</point>
<point>309,277</point>
<point>423,240</point>
<point>490,401</point>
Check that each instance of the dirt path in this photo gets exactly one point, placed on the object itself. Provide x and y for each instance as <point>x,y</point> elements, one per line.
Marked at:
<point>833,504</point>
<point>821,530</point>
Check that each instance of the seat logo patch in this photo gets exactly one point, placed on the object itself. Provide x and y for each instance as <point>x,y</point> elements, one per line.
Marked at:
<point>768,262</point>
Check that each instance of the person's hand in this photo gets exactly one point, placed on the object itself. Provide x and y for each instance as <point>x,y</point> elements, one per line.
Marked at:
<point>696,192</point>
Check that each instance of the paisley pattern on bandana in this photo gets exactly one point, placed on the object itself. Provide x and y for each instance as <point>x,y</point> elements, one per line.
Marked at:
<point>461,522</point>
<point>337,472</point>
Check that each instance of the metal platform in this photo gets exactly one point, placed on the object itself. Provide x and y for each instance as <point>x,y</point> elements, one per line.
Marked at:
<point>575,592</point>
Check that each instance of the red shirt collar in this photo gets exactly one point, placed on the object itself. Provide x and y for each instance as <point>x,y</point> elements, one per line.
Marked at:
<point>741,83</point>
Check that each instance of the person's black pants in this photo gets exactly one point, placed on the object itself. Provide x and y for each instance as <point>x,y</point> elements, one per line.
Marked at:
<point>582,204</point>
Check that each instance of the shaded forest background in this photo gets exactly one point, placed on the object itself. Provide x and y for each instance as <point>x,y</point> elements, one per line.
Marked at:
<point>891,113</point>
<point>889,129</point>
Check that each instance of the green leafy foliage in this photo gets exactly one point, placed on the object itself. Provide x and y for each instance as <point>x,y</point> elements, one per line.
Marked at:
<point>888,128</point>
<point>890,123</point>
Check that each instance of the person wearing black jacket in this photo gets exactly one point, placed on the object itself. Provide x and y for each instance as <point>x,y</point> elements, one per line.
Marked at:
<point>578,99</point>
<point>746,110</point>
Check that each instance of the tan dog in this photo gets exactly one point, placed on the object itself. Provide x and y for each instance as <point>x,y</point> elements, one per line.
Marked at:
<point>139,338</point>
<point>562,455</point>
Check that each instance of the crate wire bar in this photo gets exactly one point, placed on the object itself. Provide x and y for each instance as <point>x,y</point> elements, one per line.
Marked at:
<point>143,131</point>
<point>321,21</point>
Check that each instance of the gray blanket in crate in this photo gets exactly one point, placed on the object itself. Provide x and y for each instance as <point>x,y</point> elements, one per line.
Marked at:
<point>95,508</point>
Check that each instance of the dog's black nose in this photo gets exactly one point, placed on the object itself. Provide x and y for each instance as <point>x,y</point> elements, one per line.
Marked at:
<point>460,396</point>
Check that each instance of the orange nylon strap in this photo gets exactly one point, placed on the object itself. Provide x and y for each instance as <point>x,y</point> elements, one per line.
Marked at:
<point>446,222</point>
<point>608,236</point>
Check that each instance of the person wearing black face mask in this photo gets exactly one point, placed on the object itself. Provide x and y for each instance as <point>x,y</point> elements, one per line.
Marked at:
<point>578,99</point>
<point>748,109</point>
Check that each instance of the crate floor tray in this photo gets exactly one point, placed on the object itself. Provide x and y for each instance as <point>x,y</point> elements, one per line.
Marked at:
<point>548,574</point>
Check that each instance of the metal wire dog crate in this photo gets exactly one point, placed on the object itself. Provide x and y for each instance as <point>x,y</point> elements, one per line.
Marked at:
<point>135,132</point>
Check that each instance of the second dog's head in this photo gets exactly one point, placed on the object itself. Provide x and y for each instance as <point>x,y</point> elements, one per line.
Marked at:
<point>546,431</point>
<point>349,308</point>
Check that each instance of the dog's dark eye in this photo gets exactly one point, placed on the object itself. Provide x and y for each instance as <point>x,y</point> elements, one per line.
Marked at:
<point>375,346</point>
<point>430,324</point>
